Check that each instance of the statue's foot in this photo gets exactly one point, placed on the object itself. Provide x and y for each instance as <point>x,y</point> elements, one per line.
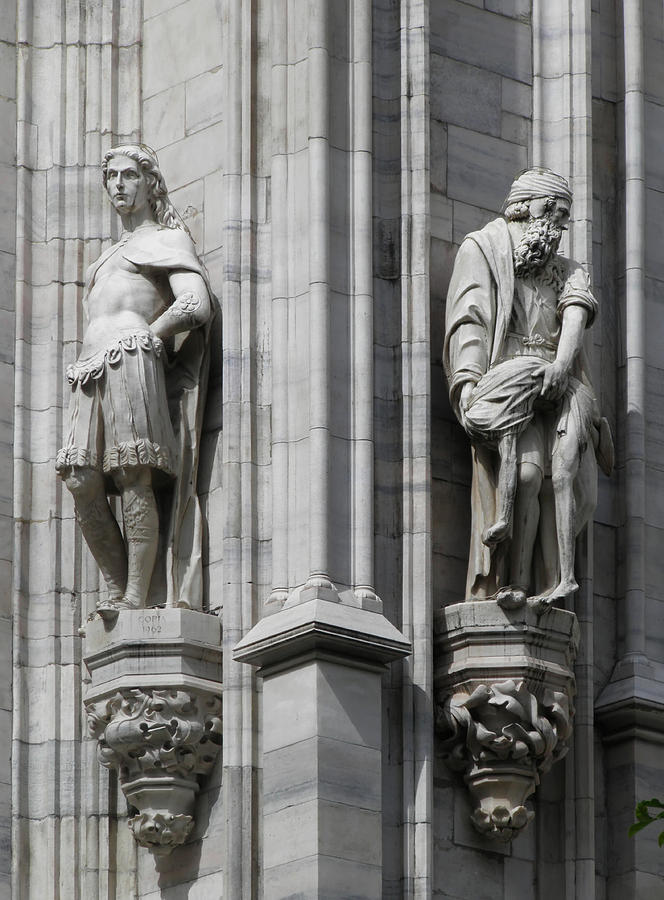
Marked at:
<point>560,593</point>
<point>496,533</point>
<point>107,610</point>
<point>128,603</point>
<point>510,598</point>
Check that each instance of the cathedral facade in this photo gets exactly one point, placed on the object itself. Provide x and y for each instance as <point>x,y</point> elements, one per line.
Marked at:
<point>287,734</point>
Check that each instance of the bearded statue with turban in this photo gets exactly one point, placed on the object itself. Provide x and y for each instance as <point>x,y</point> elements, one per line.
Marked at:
<point>519,384</point>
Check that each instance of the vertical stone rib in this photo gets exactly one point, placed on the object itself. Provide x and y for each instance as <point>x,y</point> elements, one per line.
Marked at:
<point>241,853</point>
<point>417,604</point>
<point>634,603</point>
<point>361,287</point>
<point>280,302</point>
<point>319,292</point>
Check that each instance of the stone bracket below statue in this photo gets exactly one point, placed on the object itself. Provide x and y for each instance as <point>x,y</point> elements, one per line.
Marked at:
<point>504,688</point>
<point>153,703</point>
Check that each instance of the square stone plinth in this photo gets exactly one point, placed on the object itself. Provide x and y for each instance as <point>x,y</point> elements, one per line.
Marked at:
<point>153,648</point>
<point>481,643</point>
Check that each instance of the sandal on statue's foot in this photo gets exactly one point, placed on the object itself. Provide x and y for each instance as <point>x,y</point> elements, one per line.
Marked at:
<point>128,603</point>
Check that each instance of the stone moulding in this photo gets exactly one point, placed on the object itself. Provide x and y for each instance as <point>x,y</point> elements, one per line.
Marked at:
<point>504,687</point>
<point>154,706</point>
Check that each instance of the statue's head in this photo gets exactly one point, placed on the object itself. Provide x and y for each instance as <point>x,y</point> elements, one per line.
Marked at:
<point>542,200</point>
<point>132,178</point>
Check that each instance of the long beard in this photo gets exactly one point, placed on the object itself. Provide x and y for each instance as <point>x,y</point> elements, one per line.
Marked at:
<point>539,243</point>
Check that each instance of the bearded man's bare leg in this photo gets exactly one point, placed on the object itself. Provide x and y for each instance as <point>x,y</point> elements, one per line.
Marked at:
<point>524,532</point>
<point>548,535</point>
<point>141,525</point>
<point>100,529</point>
<point>564,467</point>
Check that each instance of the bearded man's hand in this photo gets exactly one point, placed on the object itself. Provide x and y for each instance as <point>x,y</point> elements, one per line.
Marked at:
<point>554,380</point>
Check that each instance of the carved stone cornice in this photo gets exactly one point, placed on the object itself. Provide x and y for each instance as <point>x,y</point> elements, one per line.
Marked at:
<point>504,687</point>
<point>154,706</point>
<point>319,627</point>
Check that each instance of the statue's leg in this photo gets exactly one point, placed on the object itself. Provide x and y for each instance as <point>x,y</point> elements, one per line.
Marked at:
<point>100,530</point>
<point>507,477</point>
<point>141,524</point>
<point>526,521</point>
<point>548,538</point>
<point>564,466</point>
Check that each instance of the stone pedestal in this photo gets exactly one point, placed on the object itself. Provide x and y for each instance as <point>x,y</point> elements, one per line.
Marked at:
<point>154,704</point>
<point>504,686</point>
<point>322,665</point>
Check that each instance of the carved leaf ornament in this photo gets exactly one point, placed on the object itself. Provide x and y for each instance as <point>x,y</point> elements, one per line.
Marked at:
<point>139,731</point>
<point>503,738</point>
<point>506,721</point>
<point>159,741</point>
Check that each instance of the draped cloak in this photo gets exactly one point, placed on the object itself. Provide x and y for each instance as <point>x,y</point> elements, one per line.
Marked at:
<point>160,252</point>
<point>481,295</point>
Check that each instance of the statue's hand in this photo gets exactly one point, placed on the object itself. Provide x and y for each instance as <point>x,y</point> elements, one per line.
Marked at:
<point>554,380</point>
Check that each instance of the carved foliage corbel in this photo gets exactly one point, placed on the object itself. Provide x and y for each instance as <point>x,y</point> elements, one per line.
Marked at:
<point>159,741</point>
<point>503,737</point>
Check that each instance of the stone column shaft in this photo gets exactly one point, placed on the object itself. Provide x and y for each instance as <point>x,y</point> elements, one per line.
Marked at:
<point>322,791</point>
<point>322,666</point>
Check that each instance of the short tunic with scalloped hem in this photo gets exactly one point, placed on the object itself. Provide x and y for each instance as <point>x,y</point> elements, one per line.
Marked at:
<point>118,410</point>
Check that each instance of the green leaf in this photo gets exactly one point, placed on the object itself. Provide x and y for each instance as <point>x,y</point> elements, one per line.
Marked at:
<point>637,826</point>
<point>660,840</point>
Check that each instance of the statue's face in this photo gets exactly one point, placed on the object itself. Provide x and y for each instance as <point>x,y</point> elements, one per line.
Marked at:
<point>559,214</point>
<point>126,185</point>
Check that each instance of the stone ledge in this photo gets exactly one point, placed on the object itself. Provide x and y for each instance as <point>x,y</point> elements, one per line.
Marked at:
<point>631,706</point>
<point>317,626</point>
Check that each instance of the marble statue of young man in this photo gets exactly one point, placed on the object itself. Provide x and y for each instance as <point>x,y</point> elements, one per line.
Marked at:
<point>519,384</point>
<point>144,290</point>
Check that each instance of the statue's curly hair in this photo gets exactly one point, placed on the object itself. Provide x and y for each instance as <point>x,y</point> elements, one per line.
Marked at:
<point>164,211</point>
<point>520,210</point>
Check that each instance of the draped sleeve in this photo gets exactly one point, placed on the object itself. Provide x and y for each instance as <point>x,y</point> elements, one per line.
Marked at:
<point>576,292</point>
<point>469,319</point>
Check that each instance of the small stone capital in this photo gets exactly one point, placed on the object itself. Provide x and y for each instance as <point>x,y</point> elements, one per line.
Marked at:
<point>317,627</point>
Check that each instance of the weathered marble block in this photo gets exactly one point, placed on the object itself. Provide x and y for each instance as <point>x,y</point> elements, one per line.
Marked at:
<point>504,688</point>
<point>154,706</point>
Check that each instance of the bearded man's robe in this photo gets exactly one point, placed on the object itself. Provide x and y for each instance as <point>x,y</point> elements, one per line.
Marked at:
<point>479,310</point>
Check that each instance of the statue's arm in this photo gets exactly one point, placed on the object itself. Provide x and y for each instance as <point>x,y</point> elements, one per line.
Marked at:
<point>574,321</point>
<point>555,375</point>
<point>189,309</point>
